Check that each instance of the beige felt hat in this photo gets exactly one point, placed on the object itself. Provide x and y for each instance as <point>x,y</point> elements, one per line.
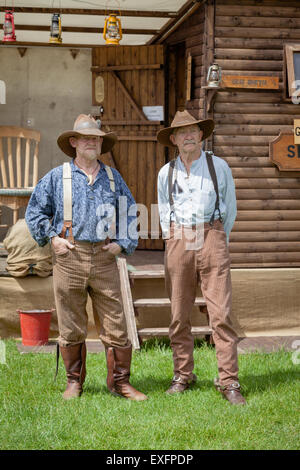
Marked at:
<point>83,126</point>
<point>182,119</point>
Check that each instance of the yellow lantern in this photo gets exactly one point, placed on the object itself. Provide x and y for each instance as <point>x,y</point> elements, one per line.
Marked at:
<point>112,31</point>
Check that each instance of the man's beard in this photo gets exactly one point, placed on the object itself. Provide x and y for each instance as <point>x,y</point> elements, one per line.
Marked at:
<point>91,156</point>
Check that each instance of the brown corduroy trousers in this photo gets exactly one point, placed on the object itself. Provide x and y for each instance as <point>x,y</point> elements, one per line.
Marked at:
<point>87,269</point>
<point>184,268</point>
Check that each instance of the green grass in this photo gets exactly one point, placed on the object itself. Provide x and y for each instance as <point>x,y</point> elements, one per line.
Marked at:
<point>34,416</point>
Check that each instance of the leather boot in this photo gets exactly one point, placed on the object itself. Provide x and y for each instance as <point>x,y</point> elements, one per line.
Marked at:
<point>74,358</point>
<point>118,372</point>
<point>231,392</point>
<point>180,385</point>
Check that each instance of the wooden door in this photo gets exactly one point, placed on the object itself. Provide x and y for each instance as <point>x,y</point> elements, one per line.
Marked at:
<point>125,79</point>
<point>176,79</point>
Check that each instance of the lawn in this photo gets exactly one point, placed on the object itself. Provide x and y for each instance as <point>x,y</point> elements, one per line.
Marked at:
<point>34,416</point>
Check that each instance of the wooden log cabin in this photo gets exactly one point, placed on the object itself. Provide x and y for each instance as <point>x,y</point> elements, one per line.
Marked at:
<point>136,91</point>
<point>248,38</point>
<point>245,38</point>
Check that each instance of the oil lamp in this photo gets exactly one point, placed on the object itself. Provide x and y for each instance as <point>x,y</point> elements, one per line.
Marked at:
<point>9,27</point>
<point>112,31</point>
<point>55,31</point>
<point>214,75</point>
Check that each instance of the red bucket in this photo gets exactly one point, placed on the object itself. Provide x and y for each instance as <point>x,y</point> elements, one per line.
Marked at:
<point>35,326</point>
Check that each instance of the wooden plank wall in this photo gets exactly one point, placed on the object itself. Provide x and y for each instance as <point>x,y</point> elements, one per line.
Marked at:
<point>249,38</point>
<point>137,155</point>
<point>191,32</point>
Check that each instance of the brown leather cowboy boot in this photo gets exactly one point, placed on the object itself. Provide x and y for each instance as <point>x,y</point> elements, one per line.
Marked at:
<point>74,358</point>
<point>231,392</point>
<point>118,372</point>
<point>180,385</point>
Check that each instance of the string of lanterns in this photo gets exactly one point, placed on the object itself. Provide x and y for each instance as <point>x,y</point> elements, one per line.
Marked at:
<point>112,31</point>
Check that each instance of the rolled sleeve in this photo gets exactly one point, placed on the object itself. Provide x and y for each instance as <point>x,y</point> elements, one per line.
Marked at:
<point>126,223</point>
<point>40,211</point>
<point>230,202</point>
<point>163,203</point>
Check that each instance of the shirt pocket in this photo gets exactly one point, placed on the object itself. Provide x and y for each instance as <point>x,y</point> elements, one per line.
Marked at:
<point>208,199</point>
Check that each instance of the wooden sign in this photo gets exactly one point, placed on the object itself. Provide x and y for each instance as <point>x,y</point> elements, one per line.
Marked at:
<point>99,89</point>
<point>284,152</point>
<point>297,131</point>
<point>242,81</point>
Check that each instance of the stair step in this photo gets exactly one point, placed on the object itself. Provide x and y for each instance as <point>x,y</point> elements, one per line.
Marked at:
<point>163,302</point>
<point>149,274</point>
<point>196,330</point>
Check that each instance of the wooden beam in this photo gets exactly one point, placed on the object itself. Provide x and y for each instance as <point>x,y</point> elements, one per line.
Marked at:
<point>47,44</point>
<point>128,303</point>
<point>97,12</point>
<point>131,123</point>
<point>128,96</point>
<point>141,138</point>
<point>78,29</point>
<point>109,68</point>
<point>183,13</point>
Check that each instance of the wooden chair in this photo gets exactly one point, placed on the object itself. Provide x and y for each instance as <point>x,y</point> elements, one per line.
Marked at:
<point>18,167</point>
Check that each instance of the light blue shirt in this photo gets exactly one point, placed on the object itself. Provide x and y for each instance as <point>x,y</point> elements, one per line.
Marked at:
<point>194,195</point>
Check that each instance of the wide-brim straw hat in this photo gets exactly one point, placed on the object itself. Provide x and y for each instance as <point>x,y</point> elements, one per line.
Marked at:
<point>85,125</point>
<point>183,119</point>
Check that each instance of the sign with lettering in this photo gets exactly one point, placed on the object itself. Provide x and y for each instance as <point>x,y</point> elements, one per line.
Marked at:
<point>242,81</point>
<point>297,131</point>
<point>284,152</point>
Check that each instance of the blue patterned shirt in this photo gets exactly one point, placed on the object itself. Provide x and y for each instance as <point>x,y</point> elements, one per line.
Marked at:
<point>98,213</point>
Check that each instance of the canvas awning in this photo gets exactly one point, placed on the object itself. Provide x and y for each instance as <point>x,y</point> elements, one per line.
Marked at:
<point>83,20</point>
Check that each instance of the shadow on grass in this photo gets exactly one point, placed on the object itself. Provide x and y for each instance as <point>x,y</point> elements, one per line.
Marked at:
<point>261,383</point>
<point>251,383</point>
<point>163,342</point>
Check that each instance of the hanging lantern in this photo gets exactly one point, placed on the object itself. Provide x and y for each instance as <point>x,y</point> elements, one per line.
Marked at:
<point>112,31</point>
<point>55,31</point>
<point>9,27</point>
<point>214,76</point>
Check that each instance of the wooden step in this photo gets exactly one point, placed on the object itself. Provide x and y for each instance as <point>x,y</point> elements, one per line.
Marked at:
<point>196,330</point>
<point>147,274</point>
<point>163,302</point>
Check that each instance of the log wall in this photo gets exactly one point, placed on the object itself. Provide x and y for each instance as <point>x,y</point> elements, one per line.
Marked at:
<point>191,32</point>
<point>247,37</point>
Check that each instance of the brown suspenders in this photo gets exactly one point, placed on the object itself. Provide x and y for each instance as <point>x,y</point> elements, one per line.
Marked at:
<point>213,176</point>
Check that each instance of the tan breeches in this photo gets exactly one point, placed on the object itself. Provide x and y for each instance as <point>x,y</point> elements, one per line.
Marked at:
<point>210,265</point>
<point>88,270</point>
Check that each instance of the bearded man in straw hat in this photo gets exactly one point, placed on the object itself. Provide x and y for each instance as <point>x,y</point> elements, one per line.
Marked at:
<point>76,206</point>
<point>197,207</point>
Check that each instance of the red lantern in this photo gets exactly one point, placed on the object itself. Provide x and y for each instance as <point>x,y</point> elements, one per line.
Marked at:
<point>9,27</point>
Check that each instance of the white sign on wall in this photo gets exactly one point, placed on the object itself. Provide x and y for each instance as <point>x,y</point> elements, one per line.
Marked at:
<point>154,113</point>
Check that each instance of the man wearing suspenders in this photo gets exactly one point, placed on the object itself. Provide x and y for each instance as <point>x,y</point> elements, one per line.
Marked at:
<point>77,206</point>
<point>197,207</point>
